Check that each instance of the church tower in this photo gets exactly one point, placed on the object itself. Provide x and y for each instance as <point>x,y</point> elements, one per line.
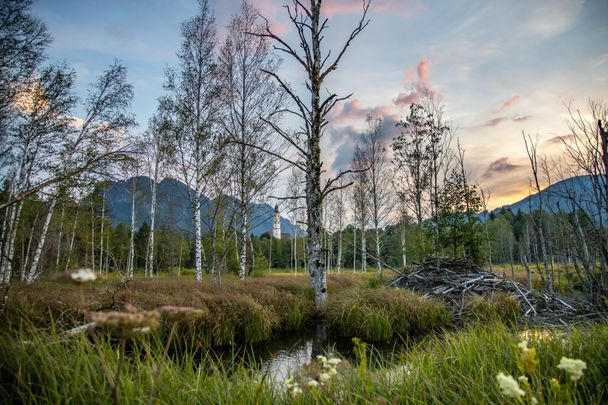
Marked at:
<point>276,228</point>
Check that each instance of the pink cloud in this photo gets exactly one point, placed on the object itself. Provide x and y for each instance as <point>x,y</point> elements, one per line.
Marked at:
<point>349,111</point>
<point>403,8</point>
<point>420,88</point>
<point>509,102</point>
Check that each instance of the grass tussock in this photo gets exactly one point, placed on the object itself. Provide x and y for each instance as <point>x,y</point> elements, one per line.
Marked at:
<point>497,307</point>
<point>381,314</point>
<point>457,367</point>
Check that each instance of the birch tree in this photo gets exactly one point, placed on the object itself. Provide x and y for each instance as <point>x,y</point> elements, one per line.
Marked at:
<point>157,149</point>
<point>39,127</point>
<point>379,181</point>
<point>252,107</point>
<point>88,149</point>
<point>23,41</point>
<point>193,87</point>
<point>360,200</point>
<point>317,64</point>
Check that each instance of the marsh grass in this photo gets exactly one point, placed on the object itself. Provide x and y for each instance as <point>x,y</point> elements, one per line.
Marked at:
<point>235,311</point>
<point>457,367</point>
<point>381,314</point>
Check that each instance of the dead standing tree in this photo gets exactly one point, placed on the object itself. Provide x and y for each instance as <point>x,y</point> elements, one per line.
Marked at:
<point>317,65</point>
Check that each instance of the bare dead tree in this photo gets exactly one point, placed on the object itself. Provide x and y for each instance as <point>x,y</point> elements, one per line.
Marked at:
<point>317,64</point>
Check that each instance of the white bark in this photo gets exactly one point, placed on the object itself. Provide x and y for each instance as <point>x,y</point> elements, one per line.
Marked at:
<point>149,271</point>
<point>33,272</point>
<point>131,258</point>
<point>73,236</point>
<point>198,246</point>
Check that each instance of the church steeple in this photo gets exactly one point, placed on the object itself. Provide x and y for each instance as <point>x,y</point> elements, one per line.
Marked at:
<point>276,228</point>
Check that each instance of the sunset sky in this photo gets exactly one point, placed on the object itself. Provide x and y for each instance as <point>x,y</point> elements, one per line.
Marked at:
<point>500,67</point>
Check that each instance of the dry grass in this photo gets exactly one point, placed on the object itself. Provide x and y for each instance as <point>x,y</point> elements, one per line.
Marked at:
<point>236,311</point>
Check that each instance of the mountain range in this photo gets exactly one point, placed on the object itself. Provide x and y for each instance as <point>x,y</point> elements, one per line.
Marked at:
<point>173,209</point>
<point>559,196</point>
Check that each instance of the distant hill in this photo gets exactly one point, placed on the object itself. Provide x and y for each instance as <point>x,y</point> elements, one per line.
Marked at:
<point>558,197</point>
<point>173,207</point>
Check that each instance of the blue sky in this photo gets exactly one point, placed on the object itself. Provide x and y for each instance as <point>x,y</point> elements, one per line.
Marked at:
<point>501,67</point>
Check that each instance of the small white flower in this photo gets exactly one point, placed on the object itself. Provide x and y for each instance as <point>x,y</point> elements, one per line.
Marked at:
<point>296,391</point>
<point>509,386</point>
<point>313,383</point>
<point>325,377</point>
<point>142,330</point>
<point>522,379</point>
<point>523,345</point>
<point>534,401</point>
<point>83,276</point>
<point>332,371</point>
<point>322,359</point>
<point>334,361</point>
<point>574,367</point>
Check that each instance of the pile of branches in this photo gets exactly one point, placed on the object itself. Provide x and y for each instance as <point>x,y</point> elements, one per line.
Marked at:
<point>455,280</point>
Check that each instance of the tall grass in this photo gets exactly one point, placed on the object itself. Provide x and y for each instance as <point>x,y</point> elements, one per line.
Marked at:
<point>36,366</point>
<point>246,311</point>
<point>381,314</point>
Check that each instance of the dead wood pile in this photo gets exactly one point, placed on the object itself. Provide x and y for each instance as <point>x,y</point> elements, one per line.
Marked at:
<point>454,280</point>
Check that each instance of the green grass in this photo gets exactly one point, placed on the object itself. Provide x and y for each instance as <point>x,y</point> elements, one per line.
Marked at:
<point>382,314</point>
<point>36,366</point>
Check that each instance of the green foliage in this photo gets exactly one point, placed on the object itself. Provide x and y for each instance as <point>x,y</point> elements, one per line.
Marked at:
<point>498,307</point>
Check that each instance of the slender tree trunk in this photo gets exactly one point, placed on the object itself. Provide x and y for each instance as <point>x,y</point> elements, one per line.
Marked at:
<point>131,258</point>
<point>92,236</point>
<point>403,251</point>
<point>340,249</point>
<point>9,253</point>
<point>378,263</point>
<point>72,237</point>
<point>363,250</point>
<point>60,237</point>
<point>101,234</point>
<point>150,249</point>
<point>354,248</point>
<point>198,246</point>
<point>33,273</point>
<point>244,232</point>
<point>26,256</point>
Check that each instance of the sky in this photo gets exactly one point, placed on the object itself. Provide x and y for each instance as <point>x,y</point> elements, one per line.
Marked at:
<point>500,68</point>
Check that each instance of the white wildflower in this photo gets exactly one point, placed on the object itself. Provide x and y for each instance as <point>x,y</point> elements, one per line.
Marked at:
<point>322,359</point>
<point>332,371</point>
<point>83,276</point>
<point>534,401</point>
<point>313,383</point>
<point>522,379</point>
<point>574,367</point>
<point>334,361</point>
<point>325,377</point>
<point>509,386</point>
<point>296,391</point>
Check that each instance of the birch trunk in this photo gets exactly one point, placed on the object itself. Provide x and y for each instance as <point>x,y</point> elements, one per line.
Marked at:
<point>378,265</point>
<point>198,246</point>
<point>7,268</point>
<point>363,251</point>
<point>33,273</point>
<point>60,237</point>
<point>149,271</point>
<point>131,258</point>
<point>103,220</point>
<point>71,248</point>
<point>243,255</point>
